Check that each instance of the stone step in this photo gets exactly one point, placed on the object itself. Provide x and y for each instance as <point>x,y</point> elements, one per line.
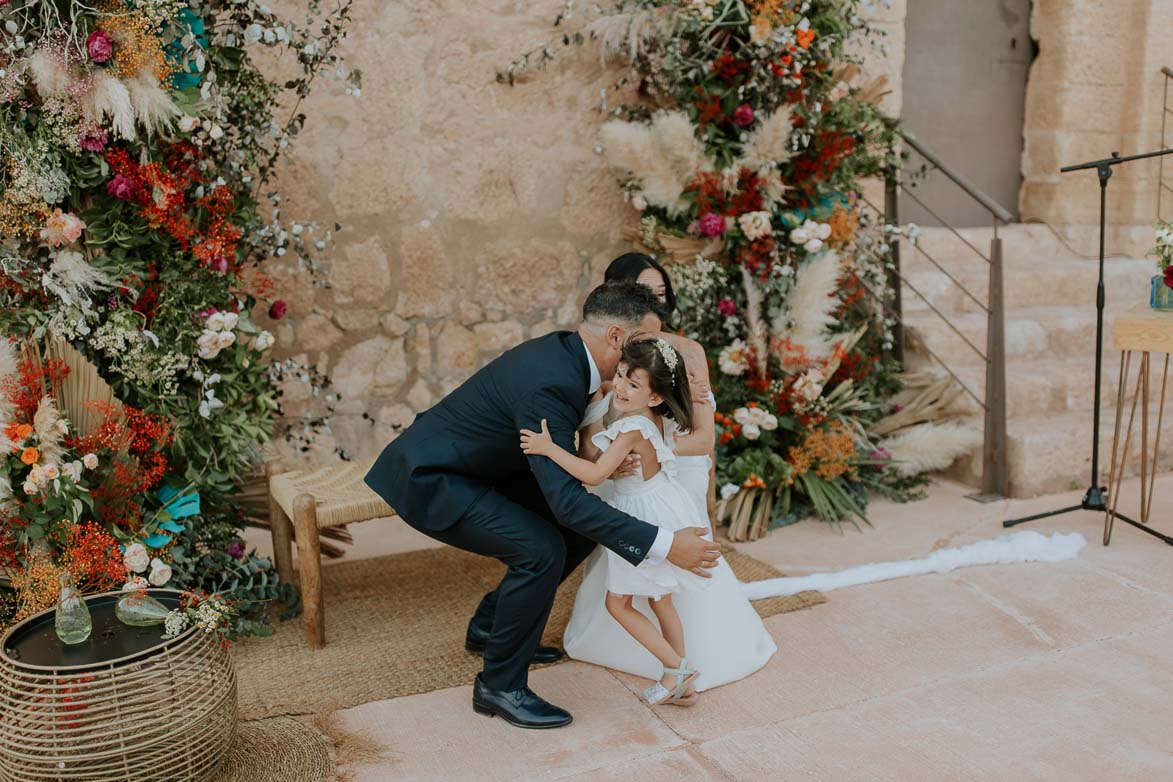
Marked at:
<point>1042,386</point>
<point>1052,454</point>
<point>1043,282</point>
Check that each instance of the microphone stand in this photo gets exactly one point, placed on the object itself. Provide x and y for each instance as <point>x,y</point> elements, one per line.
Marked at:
<point>1096,496</point>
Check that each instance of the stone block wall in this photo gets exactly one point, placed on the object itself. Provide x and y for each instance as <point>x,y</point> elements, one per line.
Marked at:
<point>1095,87</point>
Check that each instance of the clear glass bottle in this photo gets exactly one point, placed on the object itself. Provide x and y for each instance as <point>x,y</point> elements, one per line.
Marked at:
<point>138,609</point>
<point>72,620</point>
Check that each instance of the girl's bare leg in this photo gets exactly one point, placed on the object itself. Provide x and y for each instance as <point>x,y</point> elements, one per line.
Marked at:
<point>641,629</point>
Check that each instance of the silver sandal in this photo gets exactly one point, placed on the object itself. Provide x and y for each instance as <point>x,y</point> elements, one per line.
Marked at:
<point>685,677</point>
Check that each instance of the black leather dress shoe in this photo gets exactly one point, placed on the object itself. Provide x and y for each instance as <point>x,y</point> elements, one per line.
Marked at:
<point>476,643</point>
<point>521,708</point>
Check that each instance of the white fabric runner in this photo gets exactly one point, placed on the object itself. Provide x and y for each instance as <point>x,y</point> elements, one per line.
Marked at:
<point>1025,546</point>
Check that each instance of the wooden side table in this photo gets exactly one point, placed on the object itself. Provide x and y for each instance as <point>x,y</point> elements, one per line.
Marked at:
<point>1141,330</point>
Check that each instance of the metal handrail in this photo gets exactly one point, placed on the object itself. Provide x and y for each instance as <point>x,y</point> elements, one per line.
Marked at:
<point>995,475</point>
<point>990,205</point>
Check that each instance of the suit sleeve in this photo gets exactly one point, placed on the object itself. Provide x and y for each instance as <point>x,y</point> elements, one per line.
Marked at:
<point>573,506</point>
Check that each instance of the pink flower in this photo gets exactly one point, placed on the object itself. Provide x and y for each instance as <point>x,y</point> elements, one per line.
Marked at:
<point>91,137</point>
<point>727,307</point>
<point>880,455</point>
<point>62,228</point>
<point>743,115</point>
<point>100,46</point>
<point>236,549</point>
<point>278,309</point>
<point>219,264</point>
<point>712,224</point>
<point>121,187</point>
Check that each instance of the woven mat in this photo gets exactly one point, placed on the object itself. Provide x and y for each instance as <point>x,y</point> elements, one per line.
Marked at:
<point>395,626</point>
<point>281,749</point>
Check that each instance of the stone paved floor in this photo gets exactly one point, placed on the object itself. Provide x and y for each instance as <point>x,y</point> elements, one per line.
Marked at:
<point>1036,671</point>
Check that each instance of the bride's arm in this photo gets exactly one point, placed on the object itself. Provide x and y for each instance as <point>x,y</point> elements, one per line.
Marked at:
<point>701,440</point>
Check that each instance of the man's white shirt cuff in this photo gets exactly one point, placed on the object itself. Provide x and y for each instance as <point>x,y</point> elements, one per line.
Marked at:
<point>659,551</point>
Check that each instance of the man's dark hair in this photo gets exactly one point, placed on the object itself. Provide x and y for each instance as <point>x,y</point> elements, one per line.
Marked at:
<point>621,301</point>
<point>631,265</point>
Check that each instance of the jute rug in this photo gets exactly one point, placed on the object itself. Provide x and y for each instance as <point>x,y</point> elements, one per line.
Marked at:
<point>395,626</point>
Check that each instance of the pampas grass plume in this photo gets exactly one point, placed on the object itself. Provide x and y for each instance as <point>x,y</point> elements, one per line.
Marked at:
<point>929,447</point>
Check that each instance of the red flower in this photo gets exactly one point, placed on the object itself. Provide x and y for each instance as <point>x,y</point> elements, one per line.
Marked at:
<point>121,187</point>
<point>1169,276</point>
<point>100,46</point>
<point>743,115</point>
<point>729,67</point>
<point>278,309</point>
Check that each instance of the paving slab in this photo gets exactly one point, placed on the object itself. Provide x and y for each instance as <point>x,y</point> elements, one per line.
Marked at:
<point>1076,714</point>
<point>437,736</point>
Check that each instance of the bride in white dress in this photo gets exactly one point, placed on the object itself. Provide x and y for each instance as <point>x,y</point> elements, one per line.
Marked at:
<point>724,635</point>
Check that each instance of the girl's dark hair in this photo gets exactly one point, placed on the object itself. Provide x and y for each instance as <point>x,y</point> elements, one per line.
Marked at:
<point>629,266</point>
<point>671,383</point>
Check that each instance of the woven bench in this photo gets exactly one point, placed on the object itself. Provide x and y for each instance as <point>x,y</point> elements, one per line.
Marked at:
<point>300,504</point>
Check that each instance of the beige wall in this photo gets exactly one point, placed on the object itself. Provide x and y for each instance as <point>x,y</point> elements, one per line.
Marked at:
<point>1095,87</point>
<point>476,215</point>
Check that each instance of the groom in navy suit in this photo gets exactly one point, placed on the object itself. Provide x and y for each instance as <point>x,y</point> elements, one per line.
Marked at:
<point>458,475</point>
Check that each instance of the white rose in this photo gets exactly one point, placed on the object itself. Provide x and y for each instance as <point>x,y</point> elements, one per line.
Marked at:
<point>224,339</point>
<point>800,236</point>
<point>755,225</point>
<point>90,460</point>
<point>37,474</point>
<point>188,123</point>
<point>73,470</point>
<point>52,472</point>
<point>823,231</point>
<point>770,424</point>
<point>639,202</point>
<point>160,572</point>
<point>263,341</point>
<point>215,322</point>
<point>216,132</point>
<point>751,431</point>
<point>135,584</point>
<point>813,246</point>
<point>230,320</point>
<point>30,487</point>
<point>742,416</point>
<point>135,558</point>
<point>728,490</point>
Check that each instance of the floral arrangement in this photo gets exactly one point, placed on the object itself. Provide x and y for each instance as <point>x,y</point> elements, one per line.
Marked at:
<point>137,219</point>
<point>1163,251</point>
<point>741,130</point>
<point>210,613</point>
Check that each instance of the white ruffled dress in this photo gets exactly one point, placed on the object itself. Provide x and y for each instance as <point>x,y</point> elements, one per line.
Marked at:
<point>660,500</point>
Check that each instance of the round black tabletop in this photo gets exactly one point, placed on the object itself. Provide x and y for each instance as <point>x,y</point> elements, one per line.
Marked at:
<point>34,643</point>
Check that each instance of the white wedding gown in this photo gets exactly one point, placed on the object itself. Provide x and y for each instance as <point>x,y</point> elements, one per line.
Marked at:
<point>724,636</point>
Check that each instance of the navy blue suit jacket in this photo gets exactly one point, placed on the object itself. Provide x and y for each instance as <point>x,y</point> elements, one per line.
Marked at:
<point>469,443</point>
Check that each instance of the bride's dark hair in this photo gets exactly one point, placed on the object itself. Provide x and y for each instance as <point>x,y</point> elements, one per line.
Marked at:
<point>630,266</point>
<point>669,378</point>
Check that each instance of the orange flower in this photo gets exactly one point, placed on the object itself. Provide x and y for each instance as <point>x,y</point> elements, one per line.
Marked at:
<point>29,456</point>
<point>754,482</point>
<point>726,437</point>
<point>804,37</point>
<point>737,429</point>
<point>751,404</point>
<point>718,417</point>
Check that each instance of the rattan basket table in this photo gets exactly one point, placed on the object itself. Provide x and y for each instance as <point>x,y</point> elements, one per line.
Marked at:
<point>125,705</point>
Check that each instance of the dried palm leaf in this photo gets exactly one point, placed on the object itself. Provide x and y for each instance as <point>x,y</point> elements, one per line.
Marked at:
<point>926,397</point>
<point>80,389</point>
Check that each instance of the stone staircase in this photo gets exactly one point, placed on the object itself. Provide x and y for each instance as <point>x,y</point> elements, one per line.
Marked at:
<point>1049,291</point>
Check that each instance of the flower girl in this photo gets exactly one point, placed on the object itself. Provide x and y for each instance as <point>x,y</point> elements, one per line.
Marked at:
<point>651,394</point>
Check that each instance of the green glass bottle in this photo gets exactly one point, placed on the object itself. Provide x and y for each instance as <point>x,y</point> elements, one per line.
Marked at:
<point>72,621</point>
